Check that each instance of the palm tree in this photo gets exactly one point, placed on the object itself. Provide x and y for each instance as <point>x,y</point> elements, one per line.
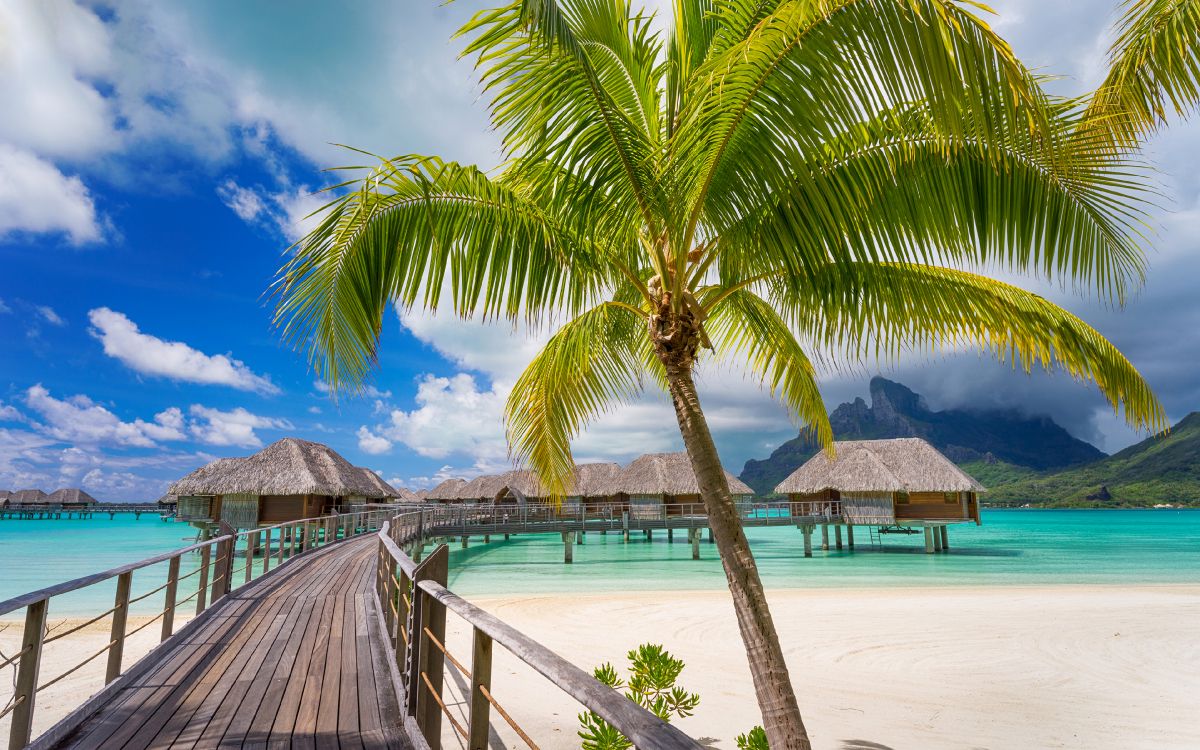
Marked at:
<point>775,178</point>
<point>1154,71</point>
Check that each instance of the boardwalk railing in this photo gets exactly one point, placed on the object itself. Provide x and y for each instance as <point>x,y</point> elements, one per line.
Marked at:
<point>414,600</point>
<point>213,577</point>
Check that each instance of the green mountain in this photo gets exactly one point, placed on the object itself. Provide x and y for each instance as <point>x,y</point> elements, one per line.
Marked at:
<point>1161,469</point>
<point>1003,445</point>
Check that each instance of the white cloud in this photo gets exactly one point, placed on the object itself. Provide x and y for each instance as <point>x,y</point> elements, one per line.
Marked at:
<point>245,202</point>
<point>171,359</point>
<point>78,419</point>
<point>36,197</point>
<point>4,308</point>
<point>453,416</point>
<point>9,413</point>
<point>368,391</point>
<point>50,316</point>
<point>234,427</point>
<point>369,442</point>
<point>314,410</point>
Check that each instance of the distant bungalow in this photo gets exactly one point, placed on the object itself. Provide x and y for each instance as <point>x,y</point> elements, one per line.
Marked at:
<point>648,484</point>
<point>65,498</point>
<point>903,482</point>
<point>288,480</point>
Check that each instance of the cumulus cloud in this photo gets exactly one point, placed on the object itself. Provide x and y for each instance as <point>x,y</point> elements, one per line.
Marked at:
<point>35,196</point>
<point>453,416</point>
<point>9,413</point>
<point>78,419</point>
<point>369,391</point>
<point>176,360</point>
<point>4,308</point>
<point>369,442</point>
<point>243,201</point>
<point>235,427</point>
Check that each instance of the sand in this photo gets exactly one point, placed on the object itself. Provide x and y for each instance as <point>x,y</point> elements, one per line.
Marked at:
<point>59,699</point>
<point>1046,667</point>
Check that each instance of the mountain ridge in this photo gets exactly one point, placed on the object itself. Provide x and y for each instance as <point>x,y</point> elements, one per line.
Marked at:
<point>1004,437</point>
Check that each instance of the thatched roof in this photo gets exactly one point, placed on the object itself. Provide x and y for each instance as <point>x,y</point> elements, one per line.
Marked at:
<point>899,465</point>
<point>27,497</point>
<point>70,496</point>
<point>385,488</point>
<point>665,474</point>
<point>446,490</point>
<point>286,467</point>
<point>408,496</point>
<point>480,488</point>
<point>168,500</point>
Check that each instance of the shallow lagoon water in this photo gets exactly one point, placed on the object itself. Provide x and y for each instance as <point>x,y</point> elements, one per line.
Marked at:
<point>1014,547</point>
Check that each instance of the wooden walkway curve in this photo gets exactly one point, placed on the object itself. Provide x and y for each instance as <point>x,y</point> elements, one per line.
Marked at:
<point>293,660</point>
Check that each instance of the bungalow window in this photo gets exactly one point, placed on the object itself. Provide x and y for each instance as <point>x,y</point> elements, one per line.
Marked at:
<point>951,498</point>
<point>902,498</point>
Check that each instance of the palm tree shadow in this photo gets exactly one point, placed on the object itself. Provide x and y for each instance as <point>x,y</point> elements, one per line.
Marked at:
<point>863,745</point>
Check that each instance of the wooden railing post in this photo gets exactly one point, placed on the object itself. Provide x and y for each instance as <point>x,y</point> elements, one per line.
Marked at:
<point>251,546</point>
<point>481,677</point>
<point>427,660</point>
<point>168,623</point>
<point>267,551</point>
<point>222,573</point>
<point>21,730</point>
<point>116,648</point>
<point>202,591</point>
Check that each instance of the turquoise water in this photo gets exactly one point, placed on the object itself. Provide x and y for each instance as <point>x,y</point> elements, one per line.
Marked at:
<point>1012,547</point>
<point>37,553</point>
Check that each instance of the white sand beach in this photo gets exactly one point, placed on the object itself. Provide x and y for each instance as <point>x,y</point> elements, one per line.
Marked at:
<point>1040,667</point>
<point>1033,667</point>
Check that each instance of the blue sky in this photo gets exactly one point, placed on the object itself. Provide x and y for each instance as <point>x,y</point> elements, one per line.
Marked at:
<point>163,155</point>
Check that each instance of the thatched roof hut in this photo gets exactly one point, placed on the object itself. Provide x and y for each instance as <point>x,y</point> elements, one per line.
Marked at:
<point>408,496</point>
<point>28,497</point>
<point>482,488</point>
<point>666,474</point>
<point>446,490</point>
<point>70,496</point>
<point>168,500</point>
<point>898,465</point>
<point>286,467</point>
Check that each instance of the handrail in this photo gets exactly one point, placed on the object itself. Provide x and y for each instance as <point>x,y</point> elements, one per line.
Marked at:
<point>216,581</point>
<point>58,589</point>
<point>416,629</point>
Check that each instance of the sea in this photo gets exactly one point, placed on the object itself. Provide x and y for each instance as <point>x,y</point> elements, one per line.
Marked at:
<point>1012,547</point>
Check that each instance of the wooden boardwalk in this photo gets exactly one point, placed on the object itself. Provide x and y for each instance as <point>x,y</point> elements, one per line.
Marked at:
<point>291,661</point>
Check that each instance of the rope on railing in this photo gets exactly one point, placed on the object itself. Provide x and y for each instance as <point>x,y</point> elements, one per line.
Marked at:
<point>441,647</point>
<point>511,722</point>
<point>151,593</point>
<point>100,616</point>
<point>445,710</point>
<point>143,626</point>
<point>16,656</point>
<point>12,706</point>
<point>77,667</point>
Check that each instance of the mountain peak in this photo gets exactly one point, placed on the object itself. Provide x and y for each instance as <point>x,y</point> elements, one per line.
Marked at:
<point>963,435</point>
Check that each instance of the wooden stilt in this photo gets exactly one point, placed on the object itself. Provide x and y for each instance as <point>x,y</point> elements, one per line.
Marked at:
<point>825,536</point>
<point>937,539</point>
<point>837,536</point>
<point>670,535</point>
<point>850,536</point>
<point>807,531</point>
<point>928,540</point>
<point>694,538</point>
<point>568,547</point>
<point>464,542</point>
<point>946,538</point>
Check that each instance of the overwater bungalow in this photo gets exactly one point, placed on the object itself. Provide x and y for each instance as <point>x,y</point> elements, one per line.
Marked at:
<point>664,479</point>
<point>4,495</point>
<point>446,491</point>
<point>28,497</point>
<point>286,481</point>
<point>70,497</point>
<point>903,482</point>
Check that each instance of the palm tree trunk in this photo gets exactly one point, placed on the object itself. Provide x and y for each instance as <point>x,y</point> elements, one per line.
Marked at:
<point>776,699</point>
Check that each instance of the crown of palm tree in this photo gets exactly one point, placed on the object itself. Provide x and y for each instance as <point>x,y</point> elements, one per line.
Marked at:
<point>781,174</point>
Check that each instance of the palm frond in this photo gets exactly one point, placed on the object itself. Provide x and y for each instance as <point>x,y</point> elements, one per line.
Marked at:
<point>885,310</point>
<point>595,360</point>
<point>743,325</point>
<point>410,228</point>
<point>1154,71</point>
<point>902,187</point>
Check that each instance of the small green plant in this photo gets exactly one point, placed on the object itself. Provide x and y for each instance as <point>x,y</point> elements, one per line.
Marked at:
<point>652,675</point>
<point>755,739</point>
